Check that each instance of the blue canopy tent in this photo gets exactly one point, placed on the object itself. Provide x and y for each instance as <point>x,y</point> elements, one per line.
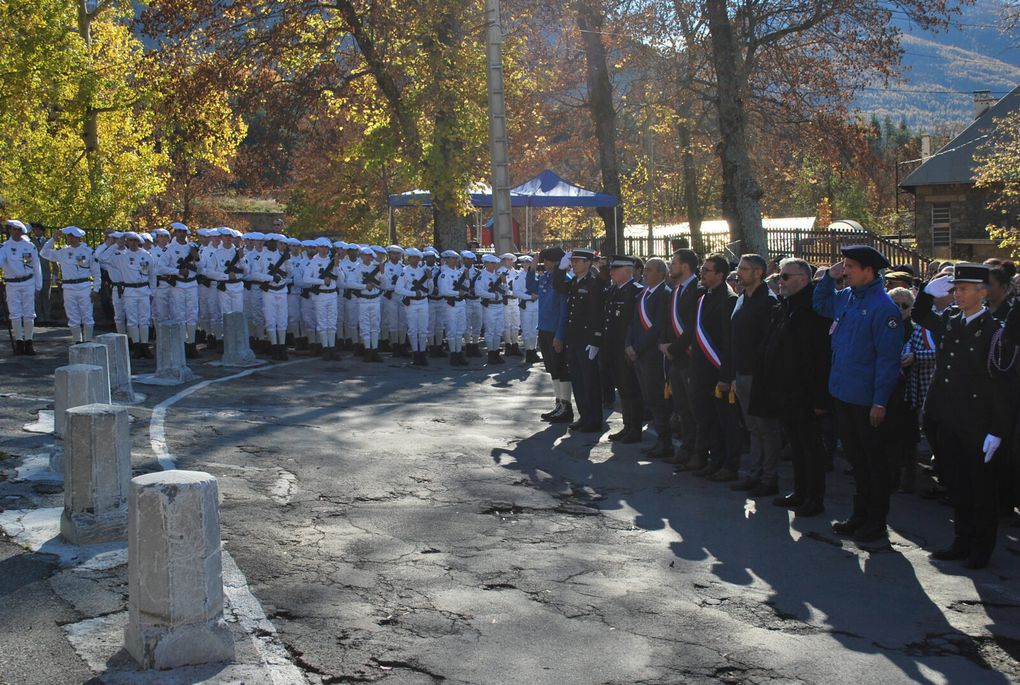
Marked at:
<point>545,190</point>
<point>549,190</point>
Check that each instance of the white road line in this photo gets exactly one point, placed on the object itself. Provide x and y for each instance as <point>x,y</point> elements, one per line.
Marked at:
<point>240,600</point>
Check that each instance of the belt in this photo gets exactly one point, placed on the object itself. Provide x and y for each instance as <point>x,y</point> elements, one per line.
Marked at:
<point>20,279</point>
<point>416,299</point>
<point>74,281</point>
<point>134,285</point>
<point>471,297</point>
<point>367,297</point>
<point>325,292</point>
<point>278,288</point>
<point>435,299</point>
<point>178,279</point>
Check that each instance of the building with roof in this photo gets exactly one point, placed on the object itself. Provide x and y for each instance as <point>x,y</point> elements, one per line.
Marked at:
<point>951,215</point>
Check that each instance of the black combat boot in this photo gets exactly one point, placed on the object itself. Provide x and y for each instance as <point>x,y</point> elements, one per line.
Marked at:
<point>531,357</point>
<point>515,351</point>
<point>19,347</point>
<point>191,350</point>
<point>565,416</point>
<point>29,349</point>
<point>301,343</point>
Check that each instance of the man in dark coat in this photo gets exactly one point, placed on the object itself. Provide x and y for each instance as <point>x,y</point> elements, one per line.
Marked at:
<point>649,318</point>
<point>712,397</point>
<point>675,344</point>
<point>791,383</point>
<point>585,314</point>
<point>621,300</point>
<point>968,402</point>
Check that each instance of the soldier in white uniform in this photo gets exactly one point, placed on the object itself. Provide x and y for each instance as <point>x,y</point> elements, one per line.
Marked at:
<point>253,255</point>
<point>227,270</point>
<point>138,274</point>
<point>491,290</point>
<point>210,320</point>
<point>472,306</point>
<point>80,280</point>
<point>274,276</point>
<point>162,309</point>
<point>526,289</point>
<point>294,333</point>
<point>512,321</point>
<point>178,265</point>
<point>392,311</point>
<point>114,243</point>
<point>367,285</point>
<point>23,279</point>
<point>413,290</point>
<point>437,308</point>
<point>349,266</point>
<point>322,280</point>
<point>453,285</point>
<point>308,321</point>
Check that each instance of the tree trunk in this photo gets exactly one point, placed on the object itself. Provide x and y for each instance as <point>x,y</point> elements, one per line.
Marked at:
<point>90,121</point>
<point>603,113</point>
<point>690,178</point>
<point>741,192</point>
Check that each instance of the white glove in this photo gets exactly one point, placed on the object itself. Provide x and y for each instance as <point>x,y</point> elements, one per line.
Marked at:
<point>592,352</point>
<point>939,287</point>
<point>565,262</point>
<point>992,443</point>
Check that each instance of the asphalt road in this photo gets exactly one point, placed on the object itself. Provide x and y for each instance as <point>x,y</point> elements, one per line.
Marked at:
<point>403,525</point>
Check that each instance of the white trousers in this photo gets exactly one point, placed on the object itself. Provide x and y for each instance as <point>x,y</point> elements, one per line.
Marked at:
<point>369,315</point>
<point>456,323</point>
<point>437,316</point>
<point>119,317</point>
<point>308,316</point>
<point>78,306</point>
<point>391,317</point>
<point>231,301</point>
<point>512,322</point>
<point>473,316</point>
<point>529,325</point>
<point>21,300</point>
<point>325,312</point>
<point>184,306</point>
<point>253,311</point>
<point>417,313</point>
<point>162,309</point>
<point>294,312</point>
<point>137,308</point>
<point>274,310</point>
<point>494,323</point>
<point>351,317</point>
<point>209,315</point>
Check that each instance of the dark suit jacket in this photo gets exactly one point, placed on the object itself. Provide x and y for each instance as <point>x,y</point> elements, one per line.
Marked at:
<point>685,304</point>
<point>716,309</point>
<point>657,308</point>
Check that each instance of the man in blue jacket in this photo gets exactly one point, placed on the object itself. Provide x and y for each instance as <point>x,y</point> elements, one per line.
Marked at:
<point>552,331</point>
<point>866,345</point>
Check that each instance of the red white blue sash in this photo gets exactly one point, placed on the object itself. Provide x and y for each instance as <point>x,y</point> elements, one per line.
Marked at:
<point>704,342</point>
<point>927,339</point>
<point>646,321</point>
<point>678,327</point>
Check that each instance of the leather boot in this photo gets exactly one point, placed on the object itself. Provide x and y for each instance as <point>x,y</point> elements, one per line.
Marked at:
<point>19,347</point>
<point>515,351</point>
<point>556,410</point>
<point>29,349</point>
<point>565,416</point>
<point>531,357</point>
<point>301,343</point>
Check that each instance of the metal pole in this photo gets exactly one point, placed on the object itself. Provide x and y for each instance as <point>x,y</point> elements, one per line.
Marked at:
<point>392,229</point>
<point>502,225</point>
<point>651,181</point>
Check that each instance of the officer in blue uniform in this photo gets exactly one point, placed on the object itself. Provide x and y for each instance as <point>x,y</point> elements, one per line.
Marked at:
<point>552,331</point>
<point>866,344</point>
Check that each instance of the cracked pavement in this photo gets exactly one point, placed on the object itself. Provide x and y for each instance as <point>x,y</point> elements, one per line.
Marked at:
<point>401,525</point>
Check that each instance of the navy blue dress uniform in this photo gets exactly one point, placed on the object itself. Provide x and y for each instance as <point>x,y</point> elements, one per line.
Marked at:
<point>969,399</point>
<point>678,332</point>
<point>649,318</point>
<point>718,433</point>
<point>585,331</point>
<point>867,340</point>
<point>621,305</point>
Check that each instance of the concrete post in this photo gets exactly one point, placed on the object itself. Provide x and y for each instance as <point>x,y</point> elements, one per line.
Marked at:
<point>97,469</point>
<point>77,384</point>
<point>170,360</point>
<point>236,350</point>
<point>91,353</point>
<point>175,575</point>
<point>120,365</point>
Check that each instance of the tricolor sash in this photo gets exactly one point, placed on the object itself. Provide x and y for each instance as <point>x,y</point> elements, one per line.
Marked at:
<point>678,327</point>
<point>927,339</point>
<point>646,321</point>
<point>704,342</point>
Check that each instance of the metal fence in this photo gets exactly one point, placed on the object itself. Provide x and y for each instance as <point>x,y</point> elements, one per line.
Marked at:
<point>817,247</point>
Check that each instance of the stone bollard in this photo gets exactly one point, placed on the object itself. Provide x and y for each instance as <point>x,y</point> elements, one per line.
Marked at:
<point>97,469</point>
<point>77,384</point>
<point>120,365</point>
<point>175,574</point>
<point>236,350</point>
<point>170,359</point>
<point>91,353</point>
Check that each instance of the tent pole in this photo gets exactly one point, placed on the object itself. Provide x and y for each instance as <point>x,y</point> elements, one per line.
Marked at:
<point>616,229</point>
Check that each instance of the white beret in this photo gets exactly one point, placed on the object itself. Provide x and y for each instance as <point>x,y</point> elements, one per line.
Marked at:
<point>146,237</point>
<point>369,251</point>
<point>395,248</point>
<point>490,259</point>
<point>178,226</point>
<point>254,235</point>
<point>413,252</point>
<point>468,254</point>
<point>379,249</point>
<point>527,258</point>
<point>450,253</point>
<point>163,231</point>
<point>14,223</point>
<point>323,242</point>
<point>131,235</point>
<point>73,230</point>
<point>508,255</point>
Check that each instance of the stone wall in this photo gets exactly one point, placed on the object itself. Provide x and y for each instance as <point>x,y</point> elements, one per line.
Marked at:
<point>969,216</point>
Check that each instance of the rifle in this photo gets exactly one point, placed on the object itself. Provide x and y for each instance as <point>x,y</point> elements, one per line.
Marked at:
<point>231,268</point>
<point>393,282</point>
<point>186,264</point>
<point>276,270</point>
<point>417,285</point>
<point>497,287</point>
<point>370,277</point>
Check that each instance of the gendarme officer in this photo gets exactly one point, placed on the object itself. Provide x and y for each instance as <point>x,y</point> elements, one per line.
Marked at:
<point>621,301</point>
<point>968,405</point>
<point>585,315</point>
<point>866,344</point>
